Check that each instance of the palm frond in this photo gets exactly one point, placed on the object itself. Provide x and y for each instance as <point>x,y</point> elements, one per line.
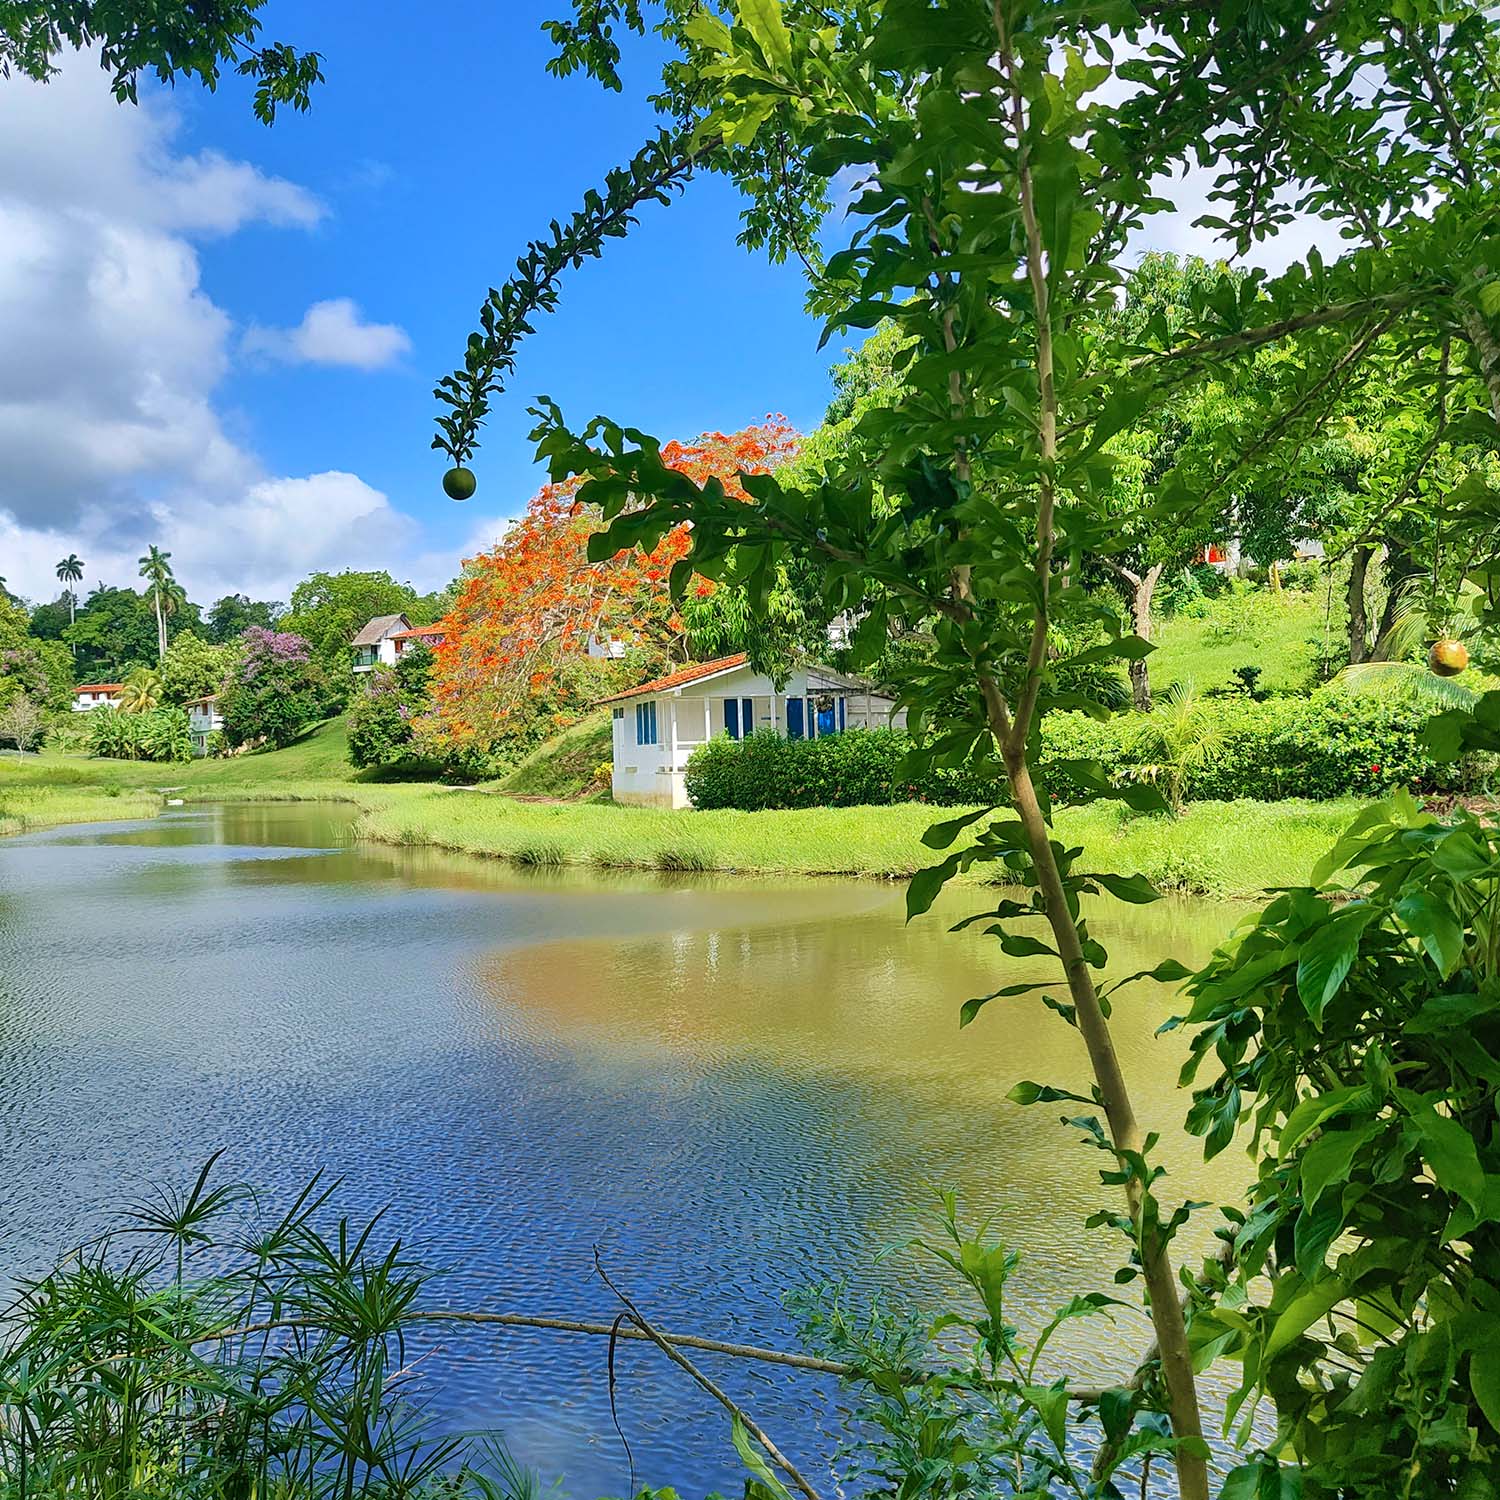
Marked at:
<point>1405,682</point>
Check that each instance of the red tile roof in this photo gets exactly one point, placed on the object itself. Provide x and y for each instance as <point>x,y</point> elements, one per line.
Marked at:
<point>97,687</point>
<point>684,675</point>
<point>438,627</point>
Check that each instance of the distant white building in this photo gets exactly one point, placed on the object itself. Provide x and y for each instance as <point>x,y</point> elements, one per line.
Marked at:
<point>375,645</point>
<point>95,695</point>
<point>204,720</point>
<point>658,725</point>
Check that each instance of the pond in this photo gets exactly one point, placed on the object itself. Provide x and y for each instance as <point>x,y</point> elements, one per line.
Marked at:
<point>732,1088</point>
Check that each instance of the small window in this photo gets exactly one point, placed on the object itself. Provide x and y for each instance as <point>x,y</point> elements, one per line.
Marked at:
<point>619,713</point>
<point>645,723</point>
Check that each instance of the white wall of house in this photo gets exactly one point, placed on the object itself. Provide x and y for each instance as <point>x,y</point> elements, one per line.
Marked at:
<point>86,699</point>
<point>649,772</point>
<point>204,720</point>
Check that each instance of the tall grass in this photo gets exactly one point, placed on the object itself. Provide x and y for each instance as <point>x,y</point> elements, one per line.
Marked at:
<point>29,806</point>
<point>1214,848</point>
<point>204,1352</point>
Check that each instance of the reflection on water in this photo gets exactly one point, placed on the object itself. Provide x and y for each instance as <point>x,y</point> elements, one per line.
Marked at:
<point>731,1087</point>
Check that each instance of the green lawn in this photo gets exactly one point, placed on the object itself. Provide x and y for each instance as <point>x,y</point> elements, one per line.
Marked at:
<point>1279,633</point>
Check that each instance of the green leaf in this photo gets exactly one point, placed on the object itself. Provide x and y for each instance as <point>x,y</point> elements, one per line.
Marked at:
<point>1026,1092</point>
<point>762,19</point>
<point>1328,955</point>
<point>1450,1153</point>
<point>941,835</point>
<point>1442,1013</point>
<point>922,890</point>
<point>1051,1404</point>
<point>1135,889</point>
<point>1432,922</point>
<point>971,1008</point>
<point>1484,1377</point>
<point>751,1457</point>
<point>1328,1158</point>
<point>1315,1302</point>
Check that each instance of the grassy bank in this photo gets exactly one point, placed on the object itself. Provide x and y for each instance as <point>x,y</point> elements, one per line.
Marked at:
<point>1227,849</point>
<point>23,808</point>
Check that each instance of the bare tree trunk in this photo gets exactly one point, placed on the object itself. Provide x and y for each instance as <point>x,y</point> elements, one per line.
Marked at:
<point>1142,588</point>
<point>1140,620</point>
<point>1359,618</point>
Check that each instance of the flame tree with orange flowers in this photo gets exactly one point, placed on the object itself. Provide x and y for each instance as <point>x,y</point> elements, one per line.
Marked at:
<point>516,664</point>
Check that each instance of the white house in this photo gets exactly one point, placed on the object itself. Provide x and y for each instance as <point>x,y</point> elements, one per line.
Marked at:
<point>204,719</point>
<point>95,695</point>
<point>659,724</point>
<point>375,645</point>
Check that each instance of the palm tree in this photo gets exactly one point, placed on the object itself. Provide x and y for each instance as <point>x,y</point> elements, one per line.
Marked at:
<point>69,572</point>
<point>156,569</point>
<point>141,691</point>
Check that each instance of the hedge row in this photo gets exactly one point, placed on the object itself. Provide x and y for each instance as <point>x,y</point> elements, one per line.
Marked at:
<point>1328,745</point>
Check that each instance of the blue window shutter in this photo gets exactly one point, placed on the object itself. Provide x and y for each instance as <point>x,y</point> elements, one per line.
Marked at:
<point>794,718</point>
<point>842,719</point>
<point>655,738</point>
<point>747,715</point>
<point>732,718</point>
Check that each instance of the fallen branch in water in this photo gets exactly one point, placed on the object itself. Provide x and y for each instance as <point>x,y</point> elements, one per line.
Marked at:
<point>1084,1395</point>
<point>681,1360</point>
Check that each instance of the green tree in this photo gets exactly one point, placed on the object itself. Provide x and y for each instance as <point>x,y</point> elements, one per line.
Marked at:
<point>385,709</point>
<point>228,618</point>
<point>329,609</point>
<point>166,592</point>
<point>39,670</point>
<point>165,41</point>
<point>141,692</point>
<point>115,631</point>
<point>70,573</point>
<point>194,668</point>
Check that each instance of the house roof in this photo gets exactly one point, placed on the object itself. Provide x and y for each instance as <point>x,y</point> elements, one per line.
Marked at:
<point>379,628</point>
<point>206,698</point>
<point>97,687</point>
<point>697,672</point>
<point>438,627</point>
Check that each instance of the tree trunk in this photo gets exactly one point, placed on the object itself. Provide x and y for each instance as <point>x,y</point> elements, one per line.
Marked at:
<point>1143,590</point>
<point>1359,619</point>
<point>161,627</point>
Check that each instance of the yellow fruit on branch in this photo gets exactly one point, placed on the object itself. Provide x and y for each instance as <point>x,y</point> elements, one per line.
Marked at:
<point>1448,657</point>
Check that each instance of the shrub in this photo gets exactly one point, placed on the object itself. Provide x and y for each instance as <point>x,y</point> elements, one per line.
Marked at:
<point>1329,745</point>
<point>864,767</point>
<point>159,734</point>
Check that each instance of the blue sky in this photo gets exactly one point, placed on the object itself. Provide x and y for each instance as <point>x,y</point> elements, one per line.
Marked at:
<point>223,338</point>
<point>441,147</point>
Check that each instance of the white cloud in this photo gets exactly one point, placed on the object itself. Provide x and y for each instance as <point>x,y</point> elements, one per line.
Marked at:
<point>112,350</point>
<point>331,333</point>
